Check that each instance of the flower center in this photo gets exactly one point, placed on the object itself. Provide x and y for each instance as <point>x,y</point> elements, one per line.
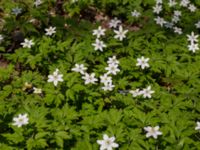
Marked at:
<point>152,131</point>
<point>90,78</point>
<point>108,142</point>
<point>112,68</point>
<point>21,120</point>
<point>55,77</point>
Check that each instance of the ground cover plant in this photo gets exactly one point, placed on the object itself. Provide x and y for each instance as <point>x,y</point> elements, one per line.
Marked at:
<point>91,74</point>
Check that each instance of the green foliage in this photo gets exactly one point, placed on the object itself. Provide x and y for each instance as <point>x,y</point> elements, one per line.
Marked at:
<point>74,115</point>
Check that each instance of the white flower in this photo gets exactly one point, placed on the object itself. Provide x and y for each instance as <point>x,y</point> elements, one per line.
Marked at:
<point>1,38</point>
<point>193,47</point>
<point>120,34</point>
<point>107,143</point>
<point>17,11</point>
<point>135,93</point>
<point>37,90</point>
<point>27,43</point>
<point>99,45</point>
<point>50,31</point>
<point>105,79</point>
<point>99,32</point>
<point>112,60</point>
<point>157,9</point>
<point>160,21</point>
<point>178,30</point>
<point>135,13</point>
<point>112,69</point>
<point>175,19</point>
<point>198,126</point>
<point>169,24</point>
<point>147,92</point>
<point>143,62</point>
<point>79,68</point>
<point>172,3</point>
<point>192,38</point>
<point>184,3</point>
<point>37,3</point>
<point>192,8</point>
<point>89,78</point>
<point>55,77</point>
<point>152,131</point>
<point>21,120</point>
<point>198,25</point>
<point>177,13</point>
<point>114,23</point>
<point>108,86</point>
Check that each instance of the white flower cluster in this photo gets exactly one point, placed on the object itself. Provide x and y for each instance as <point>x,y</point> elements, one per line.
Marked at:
<point>193,46</point>
<point>146,92</point>
<point>120,34</point>
<point>157,9</point>
<point>99,45</point>
<point>193,39</point>
<point>105,79</point>
<point>108,143</point>
<point>89,78</point>
<point>113,69</point>
<point>113,64</point>
<point>29,43</point>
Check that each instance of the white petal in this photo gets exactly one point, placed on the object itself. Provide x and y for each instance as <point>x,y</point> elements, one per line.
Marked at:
<point>100,142</point>
<point>105,137</point>
<point>159,133</point>
<point>148,135</point>
<point>147,128</point>
<point>112,138</point>
<point>55,82</point>
<point>156,128</point>
<point>155,136</point>
<point>115,145</point>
